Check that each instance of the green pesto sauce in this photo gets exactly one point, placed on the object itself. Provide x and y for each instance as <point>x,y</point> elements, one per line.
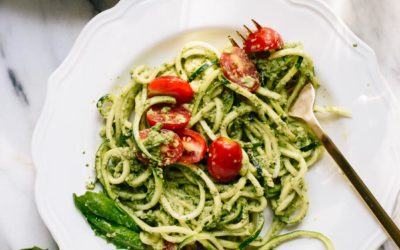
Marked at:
<point>157,138</point>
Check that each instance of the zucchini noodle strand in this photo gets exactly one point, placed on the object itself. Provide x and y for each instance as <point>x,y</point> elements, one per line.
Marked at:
<point>182,203</point>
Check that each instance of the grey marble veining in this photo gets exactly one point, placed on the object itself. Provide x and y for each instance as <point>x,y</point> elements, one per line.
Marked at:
<point>19,89</point>
<point>378,24</point>
<point>36,35</point>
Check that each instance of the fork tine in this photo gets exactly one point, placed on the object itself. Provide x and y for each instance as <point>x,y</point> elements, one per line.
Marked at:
<point>233,42</point>
<point>248,29</point>
<point>258,26</point>
<point>241,36</point>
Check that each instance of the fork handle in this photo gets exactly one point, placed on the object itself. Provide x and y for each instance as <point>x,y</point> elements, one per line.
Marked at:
<point>386,222</point>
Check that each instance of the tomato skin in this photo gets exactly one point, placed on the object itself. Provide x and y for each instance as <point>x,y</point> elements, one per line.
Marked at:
<point>194,145</point>
<point>171,86</point>
<point>263,39</point>
<point>238,68</point>
<point>225,159</point>
<point>169,246</point>
<point>169,153</point>
<point>174,118</point>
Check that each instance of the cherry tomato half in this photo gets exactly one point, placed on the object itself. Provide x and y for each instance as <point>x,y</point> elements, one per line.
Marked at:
<point>224,159</point>
<point>263,39</point>
<point>169,153</point>
<point>194,146</point>
<point>172,118</point>
<point>171,86</point>
<point>238,68</point>
<point>169,245</point>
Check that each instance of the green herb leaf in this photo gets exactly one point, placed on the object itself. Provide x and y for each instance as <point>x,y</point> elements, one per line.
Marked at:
<point>102,206</point>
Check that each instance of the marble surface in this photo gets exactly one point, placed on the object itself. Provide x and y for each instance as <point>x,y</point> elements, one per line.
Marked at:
<point>36,35</point>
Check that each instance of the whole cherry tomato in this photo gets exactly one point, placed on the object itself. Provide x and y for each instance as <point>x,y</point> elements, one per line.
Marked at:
<point>263,39</point>
<point>224,159</point>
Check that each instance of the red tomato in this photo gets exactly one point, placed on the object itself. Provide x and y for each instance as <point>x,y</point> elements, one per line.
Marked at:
<point>263,39</point>
<point>172,118</point>
<point>171,86</point>
<point>169,153</point>
<point>194,146</point>
<point>169,246</point>
<point>238,68</point>
<point>224,159</point>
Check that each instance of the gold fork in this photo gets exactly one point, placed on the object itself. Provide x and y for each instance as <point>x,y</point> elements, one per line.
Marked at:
<point>303,109</point>
<point>243,38</point>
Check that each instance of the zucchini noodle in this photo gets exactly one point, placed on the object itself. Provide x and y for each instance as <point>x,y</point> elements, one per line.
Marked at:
<point>182,203</point>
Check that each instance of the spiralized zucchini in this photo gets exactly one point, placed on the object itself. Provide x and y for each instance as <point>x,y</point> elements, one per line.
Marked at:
<point>181,203</point>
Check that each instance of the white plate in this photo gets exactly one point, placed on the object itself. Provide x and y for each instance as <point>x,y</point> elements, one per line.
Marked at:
<point>151,32</point>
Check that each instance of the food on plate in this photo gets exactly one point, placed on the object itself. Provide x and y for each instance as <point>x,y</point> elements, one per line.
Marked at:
<point>108,221</point>
<point>224,159</point>
<point>194,146</point>
<point>195,150</point>
<point>172,118</point>
<point>263,39</point>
